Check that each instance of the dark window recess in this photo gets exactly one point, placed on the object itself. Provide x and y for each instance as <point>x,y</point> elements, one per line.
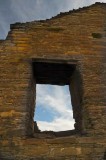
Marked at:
<point>53,73</point>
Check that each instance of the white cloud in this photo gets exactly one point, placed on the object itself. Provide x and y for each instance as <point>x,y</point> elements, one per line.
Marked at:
<point>58,99</point>
<point>59,124</point>
<point>27,10</point>
<point>81,3</point>
<point>55,97</point>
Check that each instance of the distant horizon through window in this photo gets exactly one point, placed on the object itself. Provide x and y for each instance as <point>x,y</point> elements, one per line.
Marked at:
<point>53,110</point>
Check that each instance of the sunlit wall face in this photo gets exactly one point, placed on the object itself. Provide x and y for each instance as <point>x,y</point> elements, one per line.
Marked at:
<point>53,108</point>
<point>12,11</point>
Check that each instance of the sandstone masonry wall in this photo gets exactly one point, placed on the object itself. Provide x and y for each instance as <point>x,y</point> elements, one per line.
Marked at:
<point>78,36</point>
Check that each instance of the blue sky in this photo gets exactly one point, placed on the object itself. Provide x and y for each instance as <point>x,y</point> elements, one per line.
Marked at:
<point>53,108</point>
<point>12,11</point>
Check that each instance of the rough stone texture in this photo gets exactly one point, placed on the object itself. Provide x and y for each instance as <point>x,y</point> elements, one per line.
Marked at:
<point>77,37</point>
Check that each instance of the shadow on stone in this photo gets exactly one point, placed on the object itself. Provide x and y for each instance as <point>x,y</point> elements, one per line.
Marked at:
<point>104,158</point>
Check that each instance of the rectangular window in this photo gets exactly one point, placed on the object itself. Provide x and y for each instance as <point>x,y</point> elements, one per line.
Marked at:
<point>56,114</point>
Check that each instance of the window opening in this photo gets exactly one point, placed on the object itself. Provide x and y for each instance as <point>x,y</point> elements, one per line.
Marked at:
<point>53,110</point>
<point>56,74</point>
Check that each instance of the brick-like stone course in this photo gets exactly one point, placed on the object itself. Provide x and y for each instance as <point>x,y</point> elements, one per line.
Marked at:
<point>79,36</point>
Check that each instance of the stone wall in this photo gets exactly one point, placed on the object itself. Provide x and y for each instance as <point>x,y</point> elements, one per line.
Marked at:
<point>77,36</point>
